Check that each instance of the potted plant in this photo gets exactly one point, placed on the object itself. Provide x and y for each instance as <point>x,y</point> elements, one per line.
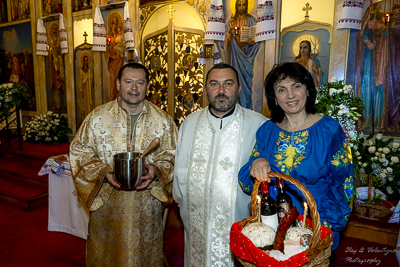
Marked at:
<point>47,128</point>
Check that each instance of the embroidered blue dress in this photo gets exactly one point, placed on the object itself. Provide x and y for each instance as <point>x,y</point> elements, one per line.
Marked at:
<point>319,157</point>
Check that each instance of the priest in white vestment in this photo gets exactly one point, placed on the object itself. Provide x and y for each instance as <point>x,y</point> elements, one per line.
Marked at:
<point>213,144</point>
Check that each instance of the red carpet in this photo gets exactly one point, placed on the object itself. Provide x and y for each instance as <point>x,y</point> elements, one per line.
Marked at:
<point>20,183</point>
<point>355,252</point>
<point>39,151</point>
<point>25,240</point>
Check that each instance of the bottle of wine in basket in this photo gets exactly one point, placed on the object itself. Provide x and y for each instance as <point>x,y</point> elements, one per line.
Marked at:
<point>269,214</point>
<point>283,200</point>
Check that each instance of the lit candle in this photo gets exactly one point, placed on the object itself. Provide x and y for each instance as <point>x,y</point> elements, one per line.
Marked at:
<point>305,214</point>
<point>259,209</point>
<point>236,31</point>
<point>387,18</point>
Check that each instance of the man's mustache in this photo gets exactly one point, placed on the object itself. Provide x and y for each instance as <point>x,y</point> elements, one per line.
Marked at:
<point>221,95</point>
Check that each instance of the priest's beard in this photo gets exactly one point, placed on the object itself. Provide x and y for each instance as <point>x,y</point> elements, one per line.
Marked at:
<point>223,106</point>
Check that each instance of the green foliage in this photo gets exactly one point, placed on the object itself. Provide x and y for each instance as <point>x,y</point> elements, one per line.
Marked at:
<point>11,95</point>
<point>380,158</point>
<point>338,100</point>
<point>376,200</point>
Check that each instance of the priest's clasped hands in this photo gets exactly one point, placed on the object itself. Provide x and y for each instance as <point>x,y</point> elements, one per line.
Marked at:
<point>147,178</point>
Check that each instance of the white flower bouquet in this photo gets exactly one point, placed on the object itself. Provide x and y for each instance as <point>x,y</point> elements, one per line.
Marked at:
<point>50,128</point>
<point>339,101</point>
<point>379,158</point>
<point>11,95</point>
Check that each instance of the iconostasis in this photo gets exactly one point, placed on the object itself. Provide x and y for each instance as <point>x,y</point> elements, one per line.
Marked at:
<point>53,49</point>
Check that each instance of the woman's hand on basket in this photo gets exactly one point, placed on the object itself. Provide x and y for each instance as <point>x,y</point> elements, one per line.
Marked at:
<point>260,169</point>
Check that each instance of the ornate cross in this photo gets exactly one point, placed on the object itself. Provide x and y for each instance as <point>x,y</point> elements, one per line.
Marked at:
<point>85,35</point>
<point>226,163</point>
<point>306,8</point>
<point>170,10</point>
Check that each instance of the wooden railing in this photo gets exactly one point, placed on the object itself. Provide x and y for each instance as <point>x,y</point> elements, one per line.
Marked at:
<point>10,129</point>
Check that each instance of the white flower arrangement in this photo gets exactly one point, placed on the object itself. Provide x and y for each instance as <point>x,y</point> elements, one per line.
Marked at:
<point>50,128</point>
<point>380,158</point>
<point>339,101</point>
<point>11,95</point>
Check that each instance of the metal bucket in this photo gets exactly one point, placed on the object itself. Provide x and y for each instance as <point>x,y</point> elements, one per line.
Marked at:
<point>128,169</point>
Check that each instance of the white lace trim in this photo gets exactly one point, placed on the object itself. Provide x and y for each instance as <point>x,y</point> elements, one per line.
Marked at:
<point>212,189</point>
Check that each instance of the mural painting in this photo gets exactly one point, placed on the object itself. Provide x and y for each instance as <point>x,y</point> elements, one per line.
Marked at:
<point>84,94</point>
<point>243,53</point>
<point>114,57</point>
<point>56,96</point>
<point>20,9</point>
<point>3,11</point>
<point>374,68</point>
<point>51,6</point>
<point>82,4</point>
<point>16,59</point>
<point>309,48</point>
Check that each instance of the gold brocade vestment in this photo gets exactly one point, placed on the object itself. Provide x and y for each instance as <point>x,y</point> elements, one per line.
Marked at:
<point>125,227</point>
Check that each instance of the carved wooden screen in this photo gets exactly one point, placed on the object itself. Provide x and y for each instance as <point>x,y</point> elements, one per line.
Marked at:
<point>183,94</point>
<point>188,87</point>
<point>156,61</point>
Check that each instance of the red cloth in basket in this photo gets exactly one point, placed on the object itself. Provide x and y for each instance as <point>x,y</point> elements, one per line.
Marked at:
<point>243,248</point>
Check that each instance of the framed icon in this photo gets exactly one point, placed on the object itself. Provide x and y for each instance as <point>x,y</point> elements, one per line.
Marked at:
<point>208,50</point>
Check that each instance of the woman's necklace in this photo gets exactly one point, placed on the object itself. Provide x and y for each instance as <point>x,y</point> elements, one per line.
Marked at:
<point>298,127</point>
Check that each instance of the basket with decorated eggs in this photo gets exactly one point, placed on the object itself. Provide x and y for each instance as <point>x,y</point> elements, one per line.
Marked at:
<point>257,244</point>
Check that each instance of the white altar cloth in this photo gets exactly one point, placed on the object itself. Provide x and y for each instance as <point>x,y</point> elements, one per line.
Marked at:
<point>66,213</point>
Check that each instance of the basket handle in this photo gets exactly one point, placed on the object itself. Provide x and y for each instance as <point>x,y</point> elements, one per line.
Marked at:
<point>316,224</point>
<point>369,187</point>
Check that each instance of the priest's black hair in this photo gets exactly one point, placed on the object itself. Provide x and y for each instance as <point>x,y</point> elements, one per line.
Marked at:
<point>221,66</point>
<point>135,66</point>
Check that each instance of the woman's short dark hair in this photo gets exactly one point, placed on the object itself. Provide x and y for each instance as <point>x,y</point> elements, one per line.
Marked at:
<point>296,72</point>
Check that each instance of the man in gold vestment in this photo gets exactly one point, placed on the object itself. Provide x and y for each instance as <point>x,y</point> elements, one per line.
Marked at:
<point>125,227</point>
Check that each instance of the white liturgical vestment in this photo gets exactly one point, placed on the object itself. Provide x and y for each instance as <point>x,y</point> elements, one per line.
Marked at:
<point>210,152</point>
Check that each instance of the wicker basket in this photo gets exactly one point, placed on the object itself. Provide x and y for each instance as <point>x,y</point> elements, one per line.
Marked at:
<point>371,211</point>
<point>319,250</point>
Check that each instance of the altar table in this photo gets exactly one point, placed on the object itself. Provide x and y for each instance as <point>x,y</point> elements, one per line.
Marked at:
<point>66,213</point>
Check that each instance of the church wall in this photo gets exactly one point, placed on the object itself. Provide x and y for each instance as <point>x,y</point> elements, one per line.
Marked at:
<point>81,26</point>
<point>160,18</point>
<point>322,11</point>
<point>339,47</point>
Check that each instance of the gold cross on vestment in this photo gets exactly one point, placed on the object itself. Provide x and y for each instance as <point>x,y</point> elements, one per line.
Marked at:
<point>306,8</point>
<point>85,35</point>
<point>170,10</point>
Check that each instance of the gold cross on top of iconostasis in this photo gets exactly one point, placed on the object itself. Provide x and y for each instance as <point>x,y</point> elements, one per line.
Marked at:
<point>85,35</point>
<point>170,10</point>
<point>306,9</point>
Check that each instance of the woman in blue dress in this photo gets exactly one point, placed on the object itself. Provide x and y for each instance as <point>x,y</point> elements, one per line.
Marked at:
<point>306,145</point>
